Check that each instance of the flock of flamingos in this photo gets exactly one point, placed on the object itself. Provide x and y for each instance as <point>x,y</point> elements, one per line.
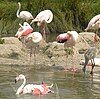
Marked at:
<point>70,38</point>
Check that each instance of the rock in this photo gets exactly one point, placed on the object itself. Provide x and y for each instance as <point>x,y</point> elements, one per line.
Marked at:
<point>11,40</point>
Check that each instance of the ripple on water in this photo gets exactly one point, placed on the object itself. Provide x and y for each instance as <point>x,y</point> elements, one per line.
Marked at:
<point>96,84</point>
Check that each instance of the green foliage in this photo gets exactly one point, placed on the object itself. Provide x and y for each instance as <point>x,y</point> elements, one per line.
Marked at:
<point>69,51</point>
<point>2,41</point>
<point>68,14</point>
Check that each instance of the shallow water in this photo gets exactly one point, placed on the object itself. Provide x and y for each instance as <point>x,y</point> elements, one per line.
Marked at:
<point>66,85</point>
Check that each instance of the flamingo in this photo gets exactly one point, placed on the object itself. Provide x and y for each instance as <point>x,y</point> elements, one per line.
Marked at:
<point>33,39</point>
<point>42,18</point>
<point>32,88</point>
<point>90,54</point>
<point>94,24</point>
<point>45,15</point>
<point>24,30</point>
<point>69,39</point>
<point>25,15</point>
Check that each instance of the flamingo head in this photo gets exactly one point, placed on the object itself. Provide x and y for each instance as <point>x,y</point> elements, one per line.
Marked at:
<point>19,3</point>
<point>63,37</point>
<point>19,77</point>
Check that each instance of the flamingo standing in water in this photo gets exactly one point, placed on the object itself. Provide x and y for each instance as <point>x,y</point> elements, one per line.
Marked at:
<point>25,15</point>
<point>32,88</point>
<point>42,18</point>
<point>69,39</point>
<point>94,24</point>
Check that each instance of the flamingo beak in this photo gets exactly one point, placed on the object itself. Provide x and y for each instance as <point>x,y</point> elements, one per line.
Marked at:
<point>16,79</point>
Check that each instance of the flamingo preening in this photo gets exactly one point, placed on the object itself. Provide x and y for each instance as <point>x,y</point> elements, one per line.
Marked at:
<point>25,15</point>
<point>42,18</point>
<point>32,88</point>
<point>24,30</point>
<point>69,39</point>
<point>45,15</point>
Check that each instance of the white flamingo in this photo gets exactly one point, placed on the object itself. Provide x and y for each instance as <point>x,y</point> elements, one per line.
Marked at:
<point>31,88</point>
<point>45,15</point>
<point>42,18</point>
<point>25,15</point>
<point>95,25</point>
<point>24,30</point>
<point>32,42</point>
<point>35,37</point>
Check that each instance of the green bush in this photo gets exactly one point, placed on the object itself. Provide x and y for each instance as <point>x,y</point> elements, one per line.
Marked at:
<point>68,14</point>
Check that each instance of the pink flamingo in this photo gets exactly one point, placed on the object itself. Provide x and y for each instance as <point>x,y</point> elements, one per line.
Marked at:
<point>32,88</point>
<point>25,15</point>
<point>24,30</point>
<point>69,39</point>
<point>42,18</point>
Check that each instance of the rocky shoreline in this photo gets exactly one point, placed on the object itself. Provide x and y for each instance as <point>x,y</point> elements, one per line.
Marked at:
<point>47,55</point>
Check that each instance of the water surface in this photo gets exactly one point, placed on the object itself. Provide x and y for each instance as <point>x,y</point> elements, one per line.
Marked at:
<point>66,85</point>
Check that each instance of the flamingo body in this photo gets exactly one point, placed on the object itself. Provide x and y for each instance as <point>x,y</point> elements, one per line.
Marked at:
<point>45,15</point>
<point>70,38</point>
<point>35,37</point>
<point>25,15</point>
<point>31,88</point>
<point>24,30</point>
<point>94,23</point>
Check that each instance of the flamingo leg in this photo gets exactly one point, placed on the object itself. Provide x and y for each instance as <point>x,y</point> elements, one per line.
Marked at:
<point>93,64</point>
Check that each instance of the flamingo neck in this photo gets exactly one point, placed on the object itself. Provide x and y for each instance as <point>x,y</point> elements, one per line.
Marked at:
<point>18,10</point>
<point>20,89</point>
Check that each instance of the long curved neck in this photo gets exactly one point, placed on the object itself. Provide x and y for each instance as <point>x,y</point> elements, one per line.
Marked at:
<point>20,89</point>
<point>18,10</point>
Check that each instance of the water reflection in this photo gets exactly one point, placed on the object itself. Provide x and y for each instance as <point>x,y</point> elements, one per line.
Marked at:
<point>66,86</point>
